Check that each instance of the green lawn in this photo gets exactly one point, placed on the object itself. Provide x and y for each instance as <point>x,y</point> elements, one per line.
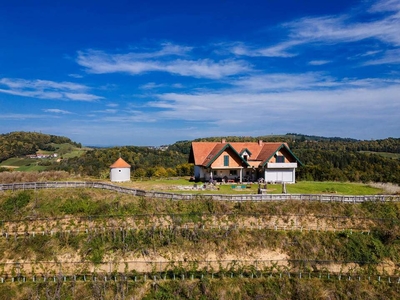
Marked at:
<point>32,168</point>
<point>343,188</point>
<point>301,187</point>
<point>74,153</point>
<point>23,164</point>
<point>18,162</point>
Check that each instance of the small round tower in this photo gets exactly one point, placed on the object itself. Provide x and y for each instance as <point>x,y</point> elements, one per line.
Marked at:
<point>120,171</point>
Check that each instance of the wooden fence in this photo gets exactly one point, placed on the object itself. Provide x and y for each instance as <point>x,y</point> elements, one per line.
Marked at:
<point>188,196</point>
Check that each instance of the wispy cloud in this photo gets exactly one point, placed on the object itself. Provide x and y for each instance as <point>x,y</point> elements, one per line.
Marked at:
<point>341,29</point>
<point>57,111</point>
<point>381,23</point>
<point>75,75</point>
<point>16,117</point>
<point>112,104</point>
<point>282,82</point>
<point>99,62</point>
<point>46,89</point>
<point>278,50</point>
<point>152,85</point>
<point>319,62</point>
<point>131,117</point>
<point>389,57</point>
<point>107,111</point>
<point>385,5</point>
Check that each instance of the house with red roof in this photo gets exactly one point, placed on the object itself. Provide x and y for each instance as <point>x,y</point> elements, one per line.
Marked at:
<point>243,161</point>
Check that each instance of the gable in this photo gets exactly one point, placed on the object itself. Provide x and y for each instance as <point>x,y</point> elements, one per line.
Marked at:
<point>282,150</point>
<point>221,150</point>
<point>228,158</point>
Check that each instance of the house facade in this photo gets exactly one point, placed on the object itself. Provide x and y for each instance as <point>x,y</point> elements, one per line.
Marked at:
<point>243,161</point>
<point>120,171</point>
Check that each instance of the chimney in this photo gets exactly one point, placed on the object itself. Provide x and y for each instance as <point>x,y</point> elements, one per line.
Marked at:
<point>260,142</point>
<point>223,141</point>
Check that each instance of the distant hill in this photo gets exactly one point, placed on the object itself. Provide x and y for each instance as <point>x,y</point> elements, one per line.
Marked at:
<point>19,143</point>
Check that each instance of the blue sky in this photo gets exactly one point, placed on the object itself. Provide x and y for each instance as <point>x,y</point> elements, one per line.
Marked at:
<point>156,72</point>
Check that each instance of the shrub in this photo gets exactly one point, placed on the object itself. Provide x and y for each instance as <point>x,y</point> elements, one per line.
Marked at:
<point>16,202</point>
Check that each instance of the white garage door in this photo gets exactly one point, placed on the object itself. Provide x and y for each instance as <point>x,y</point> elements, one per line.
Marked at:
<point>279,175</point>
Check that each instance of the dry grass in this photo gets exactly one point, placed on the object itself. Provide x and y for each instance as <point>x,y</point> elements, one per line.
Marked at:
<point>14,177</point>
<point>389,188</point>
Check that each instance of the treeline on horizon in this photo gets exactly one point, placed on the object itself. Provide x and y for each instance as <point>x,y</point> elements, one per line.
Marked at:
<point>323,158</point>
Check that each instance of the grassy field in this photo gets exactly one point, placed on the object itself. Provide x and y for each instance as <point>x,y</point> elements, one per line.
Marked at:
<point>301,187</point>
<point>24,164</point>
<point>384,154</point>
<point>29,164</point>
<point>18,162</point>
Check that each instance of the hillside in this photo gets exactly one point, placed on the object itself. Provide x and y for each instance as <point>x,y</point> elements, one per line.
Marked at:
<point>32,151</point>
<point>85,243</point>
<point>75,243</point>
<point>324,158</point>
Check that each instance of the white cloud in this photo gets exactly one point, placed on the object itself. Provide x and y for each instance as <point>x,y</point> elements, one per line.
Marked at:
<point>107,111</point>
<point>341,29</point>
<point>266,110</point>
<point>389,57</point>
<point>319,62</point>
<point>278,50</point>
<point>168,49</point>
<point>99,62</point>
<point>81,97</point>
<point>75,75</point>
<point>151,85</point>
<point>283,82</point>
<point>385,5</point>
<point>57,111</point>
<point>12,116</point>
<point>41,84</point>
<point>131,117</point>
<point>112,104</point>
<point>334,29</point>
<point>178,85</point>
<point>45,89</point>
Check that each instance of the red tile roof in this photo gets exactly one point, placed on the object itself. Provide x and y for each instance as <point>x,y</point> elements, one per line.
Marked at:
<point>204,152</point>
<point>120,163</point>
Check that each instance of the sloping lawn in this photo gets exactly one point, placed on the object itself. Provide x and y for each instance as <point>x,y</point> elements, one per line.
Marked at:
<point>342,188</point>
<point>183,185</point>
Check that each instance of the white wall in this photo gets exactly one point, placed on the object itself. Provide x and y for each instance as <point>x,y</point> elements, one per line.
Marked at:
<point>280,175</point>
<point>120,174</point>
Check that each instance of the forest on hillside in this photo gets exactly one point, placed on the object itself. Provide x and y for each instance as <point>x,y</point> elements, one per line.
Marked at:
<point>20,143</point>
<point>323,158</point>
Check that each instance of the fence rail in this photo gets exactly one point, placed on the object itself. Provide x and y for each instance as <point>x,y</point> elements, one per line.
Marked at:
<point>219,197</point>
<point>143,277</point>
<point>142,271</point>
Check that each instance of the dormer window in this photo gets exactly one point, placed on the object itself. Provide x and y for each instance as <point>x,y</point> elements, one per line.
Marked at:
<point>245,157</point>
<point>280,159</point>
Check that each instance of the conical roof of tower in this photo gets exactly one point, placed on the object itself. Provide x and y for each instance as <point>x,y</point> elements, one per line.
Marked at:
<point>120,163</point>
